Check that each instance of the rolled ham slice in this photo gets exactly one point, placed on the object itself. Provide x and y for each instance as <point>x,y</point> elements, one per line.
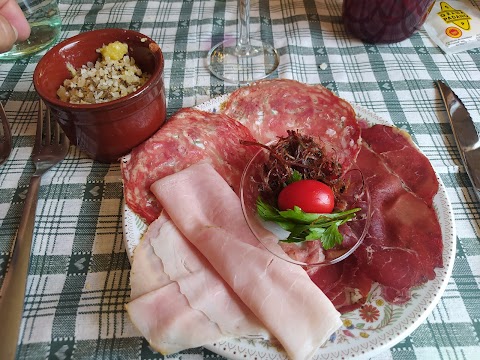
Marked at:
<point>203,287</point>
<point>178,300</point>
<point>147,272</point>
<point>208,213</point>
<point>158,309</point>
<point>168,322</point>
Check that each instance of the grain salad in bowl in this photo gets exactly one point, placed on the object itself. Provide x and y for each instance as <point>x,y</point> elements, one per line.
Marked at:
<point>106,89</point>
<point>114,75</point>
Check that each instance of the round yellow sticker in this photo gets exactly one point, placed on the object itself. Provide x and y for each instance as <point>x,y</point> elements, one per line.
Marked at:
<point>453,32</point>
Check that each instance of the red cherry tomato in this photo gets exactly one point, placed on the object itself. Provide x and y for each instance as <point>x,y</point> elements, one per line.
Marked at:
<point>311,196</point>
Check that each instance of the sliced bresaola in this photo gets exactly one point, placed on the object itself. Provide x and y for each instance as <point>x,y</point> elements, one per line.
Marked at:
<point>189,136</point>
<point>271,107</point>
<point>178,301</point>
<point>398,151</point>
<point>404,243</point>
<point>208,213</point>
<point>344,283</point>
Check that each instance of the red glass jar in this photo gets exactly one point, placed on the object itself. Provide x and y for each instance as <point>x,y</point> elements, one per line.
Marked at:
<point>384,21</point>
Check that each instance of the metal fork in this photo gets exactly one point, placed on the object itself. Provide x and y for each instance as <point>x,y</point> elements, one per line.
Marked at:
<point>51,146</point>
<point>6,138</point>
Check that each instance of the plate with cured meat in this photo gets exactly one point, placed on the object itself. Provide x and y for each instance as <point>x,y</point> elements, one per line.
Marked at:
<point>383,292</point>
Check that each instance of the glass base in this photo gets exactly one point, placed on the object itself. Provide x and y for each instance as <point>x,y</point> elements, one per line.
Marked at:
<point>242,64</point>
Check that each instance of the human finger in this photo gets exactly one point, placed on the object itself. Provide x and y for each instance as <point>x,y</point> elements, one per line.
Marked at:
<point>8,35</point>
<point>11,11</point>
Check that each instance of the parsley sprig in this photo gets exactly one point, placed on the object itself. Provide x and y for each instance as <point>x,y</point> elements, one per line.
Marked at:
<point>307,226</point>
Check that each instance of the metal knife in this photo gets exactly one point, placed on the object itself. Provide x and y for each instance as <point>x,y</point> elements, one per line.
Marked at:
<point>466,136</point>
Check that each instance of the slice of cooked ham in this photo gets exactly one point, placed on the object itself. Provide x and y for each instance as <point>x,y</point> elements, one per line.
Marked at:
<point>206,210</point>
<point>168,322</point>
<point>147,273</point>
<point>178,299</point>
<point>159,310</point>
<point>203,287</point>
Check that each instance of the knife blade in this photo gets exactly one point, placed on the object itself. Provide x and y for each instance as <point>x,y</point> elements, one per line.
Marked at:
<point>465,133</point>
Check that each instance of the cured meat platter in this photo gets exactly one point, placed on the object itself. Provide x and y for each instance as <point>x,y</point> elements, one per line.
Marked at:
<point>367,331</point>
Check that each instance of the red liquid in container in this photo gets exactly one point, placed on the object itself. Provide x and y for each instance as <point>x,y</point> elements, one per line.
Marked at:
<point>384,21</point>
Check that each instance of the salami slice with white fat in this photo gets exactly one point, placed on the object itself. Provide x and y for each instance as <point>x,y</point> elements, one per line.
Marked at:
<point>271,107</point>
<point>188,137</point>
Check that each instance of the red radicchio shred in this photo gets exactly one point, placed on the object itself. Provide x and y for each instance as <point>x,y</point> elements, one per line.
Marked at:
<point>301,153</point>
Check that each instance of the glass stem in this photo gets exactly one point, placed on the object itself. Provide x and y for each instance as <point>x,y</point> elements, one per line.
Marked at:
<point>243,41</point>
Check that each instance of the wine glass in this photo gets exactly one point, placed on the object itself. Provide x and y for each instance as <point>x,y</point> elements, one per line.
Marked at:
<point>242,60</point>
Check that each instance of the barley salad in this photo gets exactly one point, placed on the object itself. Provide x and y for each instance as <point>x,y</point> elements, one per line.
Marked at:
<point>111,77</point>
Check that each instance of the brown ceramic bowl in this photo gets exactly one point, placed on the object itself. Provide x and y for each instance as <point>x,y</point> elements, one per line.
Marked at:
<point>105,131</point>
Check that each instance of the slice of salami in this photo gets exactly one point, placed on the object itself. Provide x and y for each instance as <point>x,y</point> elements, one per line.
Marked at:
<point>188,137</point>
<point>271,107</point>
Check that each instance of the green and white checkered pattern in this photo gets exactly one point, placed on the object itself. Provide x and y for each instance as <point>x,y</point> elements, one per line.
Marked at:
<point>79,278</point>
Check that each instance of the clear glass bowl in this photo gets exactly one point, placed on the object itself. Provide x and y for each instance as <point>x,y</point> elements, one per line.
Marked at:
<point>308,253</point>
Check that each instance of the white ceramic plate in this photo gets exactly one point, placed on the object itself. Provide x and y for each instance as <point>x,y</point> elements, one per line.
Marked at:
<point>364,333</point>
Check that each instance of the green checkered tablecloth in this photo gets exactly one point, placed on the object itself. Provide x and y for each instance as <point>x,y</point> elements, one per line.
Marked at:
<point>79,277</point>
